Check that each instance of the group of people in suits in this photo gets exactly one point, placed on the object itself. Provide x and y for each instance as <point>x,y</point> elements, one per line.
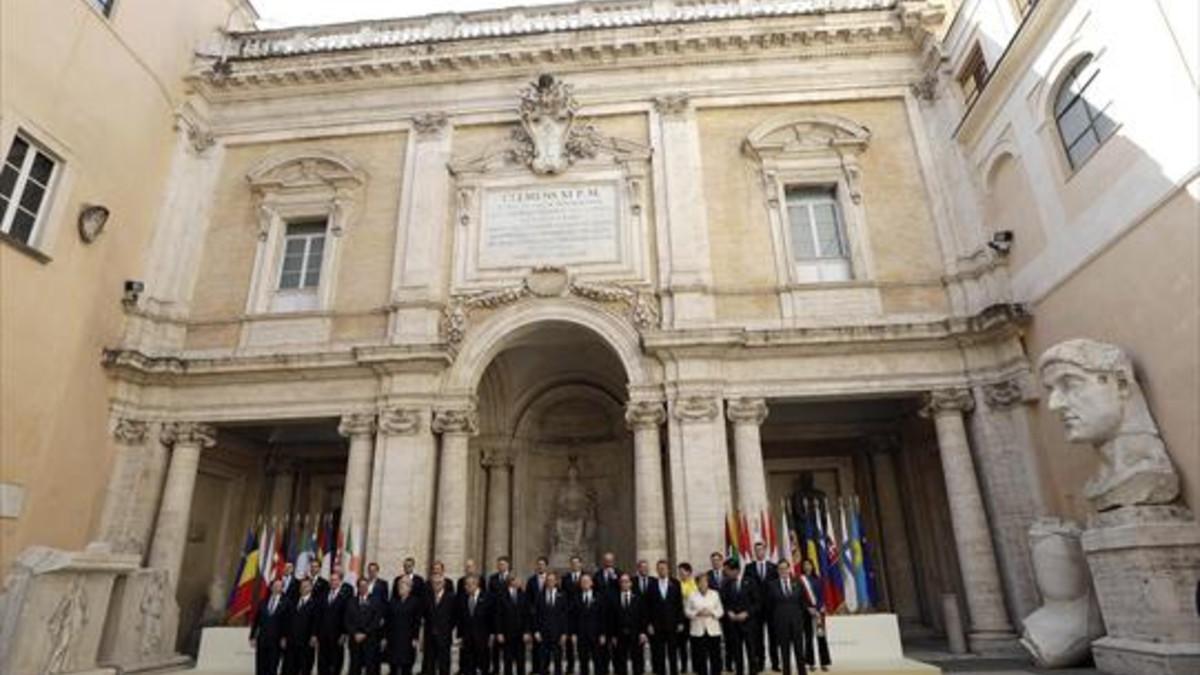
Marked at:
<point>732,618</point>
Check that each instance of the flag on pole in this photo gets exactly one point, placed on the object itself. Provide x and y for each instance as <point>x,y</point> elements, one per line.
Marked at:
<point>731,539</point>
<point>775,549</point>
<point>279,560</point>
<point>850,588</point>
<point>744,538</point>
<point>267,546</point>
<point>860,571</point>
<point>351,559</point>
<point>811,544</point>
<point>865,575</point>
<point>293,541</point>
<point>834,594</point>
<point>239,609</point>
<point>328,545</point>
<point>304,552</point>
<point>785,537</point>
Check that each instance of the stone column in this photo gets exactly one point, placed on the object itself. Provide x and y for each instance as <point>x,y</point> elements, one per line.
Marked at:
<point>456,427</point>
<point>747,415</point>
<point>897,555</point>
<point>117,526</point>
<point>705,467</point>
<point>356,495</point>
<point>186,439</point>
<point>645,418</point>
<point>499,501</point>
<point>990,630</point>
<point>407,465</point>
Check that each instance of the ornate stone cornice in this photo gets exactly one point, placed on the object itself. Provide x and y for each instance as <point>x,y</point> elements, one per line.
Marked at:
<point>356,424</point>
<point>430,125</point>
<point>746,410</point>
<point>955,400</point>
<point>189,433</point>
<point>696,408</point>
<point>130,431</point>
<point>645,414</point>
<point>400,421</point>
<point>455,421</point>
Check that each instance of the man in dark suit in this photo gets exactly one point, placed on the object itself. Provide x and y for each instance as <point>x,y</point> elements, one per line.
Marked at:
<point>303,622</point>
<point>570,587</point>
<point>533,589</point>
<point>377,587</point>
<point>470,568</point>
<point>787,607</point>
<point>364,626</point>
<point>665,623</point>
<point>739,599</point>
<point>762,572</point>
<point>607,578</point>
<point>320,585</point>
<point>291,589</point>
<point>642,578</point>
<point>268,635</point>
<point>416,581</point>
<point>627,629</point>
<point>551,625</point>
<point>510,625</point>
<point>474,627</point>
<point>811,584</point>
<point>331,627</point>
<point>440,620</point>
<point>589,626</point>
<point>438,568</point>
<point>497,585</point>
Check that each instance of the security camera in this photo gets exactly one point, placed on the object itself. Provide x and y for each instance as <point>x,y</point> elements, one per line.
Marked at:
<point>1001,241</point>
<point>133,290</point>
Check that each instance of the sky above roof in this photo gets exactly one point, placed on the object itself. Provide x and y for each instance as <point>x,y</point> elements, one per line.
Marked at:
<point>283,13</point>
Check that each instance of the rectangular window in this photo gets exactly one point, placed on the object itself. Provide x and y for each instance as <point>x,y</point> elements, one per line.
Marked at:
<point>818,235</point>
<point>973,76</point>
<point>25,180</point>
<point>303,252</point>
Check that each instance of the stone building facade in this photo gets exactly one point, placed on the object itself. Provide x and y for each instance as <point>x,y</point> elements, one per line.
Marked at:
<point>694,256</point>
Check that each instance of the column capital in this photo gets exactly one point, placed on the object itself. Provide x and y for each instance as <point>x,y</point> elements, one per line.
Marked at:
<point>1005,394</point>
<point>356,424</point>
<point>497,458</point>
<point>672,105</point>
<point>189,433</point>
<point>430,124</point>
<point>400,421</point>
<point>455,421</point>
<point>129,431</point>
<point>953,400</point>
<point>746,410</point>
<point>696,408</point>
<point>645,414</point>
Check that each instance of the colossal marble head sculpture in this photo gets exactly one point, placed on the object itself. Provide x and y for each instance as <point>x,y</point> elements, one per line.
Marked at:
<point>1093,389</point>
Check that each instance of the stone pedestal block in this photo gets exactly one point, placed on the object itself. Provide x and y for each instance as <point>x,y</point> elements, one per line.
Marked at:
<point>143,620</point>
<point>1145,564</point>
<point>53,609</point>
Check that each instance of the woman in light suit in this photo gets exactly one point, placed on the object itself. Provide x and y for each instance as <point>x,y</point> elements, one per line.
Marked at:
<point>703,609</point>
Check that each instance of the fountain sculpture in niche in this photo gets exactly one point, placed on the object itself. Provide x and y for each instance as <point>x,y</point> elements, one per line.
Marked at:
<point>573,528</point>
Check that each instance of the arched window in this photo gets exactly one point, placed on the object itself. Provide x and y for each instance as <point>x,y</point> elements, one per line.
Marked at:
<point>1082,124</point>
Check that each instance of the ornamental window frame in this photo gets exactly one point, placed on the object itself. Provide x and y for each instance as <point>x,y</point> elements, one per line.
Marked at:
<point>799,151</point>
<point>1082,68</point>
<point>301,187</point>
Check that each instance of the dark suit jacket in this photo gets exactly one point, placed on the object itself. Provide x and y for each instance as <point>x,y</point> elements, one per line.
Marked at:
<point>554,621</point>
<point>364,617</point>
<point>589,621</point>
<point>402,626</point>
<point>637,583</point>
<point>320,587</point>
<point>418,586</point>
<point>303,621</point>
<point>332,623</point>
<point>715,579</point>
<point>665,614</point>
<point>440,617</point>
<point>496,585</point>
<point>510,617</point>
<point>379,591</point>
<point>604,584</point>
<point>291,587</point>
<point>269,628</point>
<point>789,610</point>
<point>474,627</point>
<point>814,583</point>
<point>627,622</point>
<point>570,586</point>
<point>752,572</point>
<point>738,598</point>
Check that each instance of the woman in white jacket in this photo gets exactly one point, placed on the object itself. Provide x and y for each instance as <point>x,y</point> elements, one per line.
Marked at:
<point>703,609</point>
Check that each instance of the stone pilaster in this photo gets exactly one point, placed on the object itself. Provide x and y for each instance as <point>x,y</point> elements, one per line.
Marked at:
<point>402,512</point>
<point>747,415</point>
<point>705,472</point>
<point>456,427</point>
<point>499,503</point>
<point>901,577</point>
<point>186,439</point>
<point>990,630</point>
<point>359,428</point>
<point>645,418</point>
<point>118,521</point>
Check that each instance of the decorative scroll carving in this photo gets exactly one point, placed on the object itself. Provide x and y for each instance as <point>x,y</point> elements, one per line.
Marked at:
<point>695,408</point>
<point>399,421</point>
<point>130,432</point>
<point>672,104</point>
<point>746,411</point>
<point>356,424</point>
<point>947,401</point>
<point>430,125</point>
<point>645,414</point>
<point>1005,394</point>
<point>189,433</point>
<point>548,140</point>
<point>455,421</point>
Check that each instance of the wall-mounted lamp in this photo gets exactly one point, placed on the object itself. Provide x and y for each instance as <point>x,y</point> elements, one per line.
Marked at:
<point>1001,241</point>
<point>133,291</point>
<point>92,218</point>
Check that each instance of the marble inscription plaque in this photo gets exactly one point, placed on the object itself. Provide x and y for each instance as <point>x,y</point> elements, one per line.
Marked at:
<point>536,225</point>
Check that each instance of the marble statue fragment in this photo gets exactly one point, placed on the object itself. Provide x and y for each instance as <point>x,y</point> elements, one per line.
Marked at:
<point>1059,634</point>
